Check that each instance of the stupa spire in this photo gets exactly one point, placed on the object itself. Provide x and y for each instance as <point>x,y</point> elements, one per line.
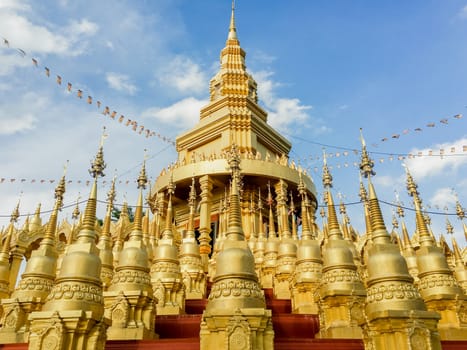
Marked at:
<point>232,28</point>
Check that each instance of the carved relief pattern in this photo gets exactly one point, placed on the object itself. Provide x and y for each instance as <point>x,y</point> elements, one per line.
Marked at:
<point>340,276</point>
<point>433,281</point>
<point>35,283</point>
<point>391,291</point>
<point>138,277</point>
<point>236,288</point>
<point>74,290</point>
<point>308,267</point>
<point>165,267</point>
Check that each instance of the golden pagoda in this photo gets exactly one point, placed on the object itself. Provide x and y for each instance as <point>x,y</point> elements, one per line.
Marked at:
<point>219,259</point>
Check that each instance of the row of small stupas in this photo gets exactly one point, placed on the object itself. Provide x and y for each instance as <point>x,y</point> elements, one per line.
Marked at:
<point>110,282</point>
<point>84,283</point>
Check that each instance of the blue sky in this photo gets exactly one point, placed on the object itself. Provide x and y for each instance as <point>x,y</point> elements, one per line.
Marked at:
<point>324,69</point>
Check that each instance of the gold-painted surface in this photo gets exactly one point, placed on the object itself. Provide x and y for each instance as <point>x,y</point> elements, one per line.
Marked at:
<point>166,276</point>
<point>73,314</point>
<point>236,315</point>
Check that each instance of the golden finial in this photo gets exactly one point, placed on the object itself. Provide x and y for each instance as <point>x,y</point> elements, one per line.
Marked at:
<point>327,177</point>
<point>460,212</point>
<point>142,178</point>
<point>234,228</point>
<point>362,191</point>
<point>112,193</point>
<point>322,212</point>
<point>233,159</point>
<point>449,227</point>
<point>301,185</point>
<point>411,185</point>
<point>269,200</point>
<point>399,210</point>
<point>76,211</point>
<point>366,164</point>
<point>395,223</point>
<point>232,28</point>
<point>171,186</point>
<point>260,202</point>
<point>15,213</point>
<point>60,189</point>
<point>192,196</point>
<point>98,165</point>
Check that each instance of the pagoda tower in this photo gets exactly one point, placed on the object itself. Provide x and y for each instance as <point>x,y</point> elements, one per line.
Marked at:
<point>232,116</point>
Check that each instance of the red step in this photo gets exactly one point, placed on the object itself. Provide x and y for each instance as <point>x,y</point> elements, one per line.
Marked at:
<point>318,344</point>
<point>172,344</point>
<point>289,326</point>
<point>194,307</point>
<point>178,326</point>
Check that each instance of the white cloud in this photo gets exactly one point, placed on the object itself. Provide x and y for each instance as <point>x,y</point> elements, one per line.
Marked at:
<point>82,27</point>
<point>184,75</point>
<point>22,33</point>
<point>14,5</point>
<point>13,125</point>
<point>287,111</point>
<point>430,166</point>
<point>388,181</point>
<point>120,82</point>
<point>463,12</point>
<point>443,197</point>
<point>182,113</point>
<point>283,113</point>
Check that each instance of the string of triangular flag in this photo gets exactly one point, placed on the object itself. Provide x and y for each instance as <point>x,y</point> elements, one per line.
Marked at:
<point>102,108</point>
<point>396,136</point>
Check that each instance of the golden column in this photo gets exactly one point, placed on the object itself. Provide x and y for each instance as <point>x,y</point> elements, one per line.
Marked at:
<point>438,287</point>
<point>236,315</point>
<point>206,185</point>
<point>73,315</point>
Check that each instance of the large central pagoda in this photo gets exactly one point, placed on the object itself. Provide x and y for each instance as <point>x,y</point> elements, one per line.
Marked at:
<point>233,116</point>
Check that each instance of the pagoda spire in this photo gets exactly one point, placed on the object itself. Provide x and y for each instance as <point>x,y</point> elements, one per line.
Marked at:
<point>105,241</point>
<point>36,281</point>
<point>132,297</point>
<point>244,312</point>
<point>80,271</point>
<point>382,313</point>
<point>338,297</point>
<point>445,298</point>
<point>232,28</point>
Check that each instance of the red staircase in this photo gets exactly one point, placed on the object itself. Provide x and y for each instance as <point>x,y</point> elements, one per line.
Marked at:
<point>297,332</point>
